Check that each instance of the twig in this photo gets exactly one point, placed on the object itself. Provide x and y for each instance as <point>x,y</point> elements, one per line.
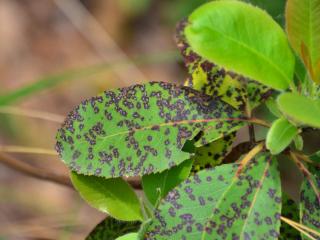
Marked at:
<point>300,227</point>
<point>43,174</point>
<point>250,155</point>
<point>237,151</point>
<point>33,171</point>
<point>305,173</point>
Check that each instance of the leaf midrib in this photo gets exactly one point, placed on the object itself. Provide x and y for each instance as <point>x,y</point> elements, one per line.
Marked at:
<point>175,123</point>
<point>235,178</point>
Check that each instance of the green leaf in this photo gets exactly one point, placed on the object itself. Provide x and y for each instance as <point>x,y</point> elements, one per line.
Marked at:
<point>113,196</point>
<point>216,204</point>
<point>289,210</point>
<point>111,228</point>
<point>298,142</point>
<point>274,8</point>
<point>129,236</point>
<point>300,109</point>
<point>212,154</point>
<point>280,135</point>
<point>243,39</point>
<point>157,185</point>
<point>141,129</point>
<point>211,79</point>
<point>303,28</point>
<point>273,107</point>
<point>310,204</point>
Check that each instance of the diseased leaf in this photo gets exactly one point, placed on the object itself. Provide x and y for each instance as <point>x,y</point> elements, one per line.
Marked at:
<point>141,129</point>
<point>300,109</point>
<point>310,205</point>
<point>280,135</point>
<point>243,39</point>
<point>289,210</point>
<point>113,196</point>
<point>213,80</point>
<point>216,204</point>
<point>157,185</point>
<point>303,28</point>
<point>110,229</point>
<point>129,236</point>
<point>212,154</point>
<point>315,167</point>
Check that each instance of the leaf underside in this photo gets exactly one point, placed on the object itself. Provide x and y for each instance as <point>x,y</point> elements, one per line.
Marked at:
<point>215,204</point>
<point>141,129</point>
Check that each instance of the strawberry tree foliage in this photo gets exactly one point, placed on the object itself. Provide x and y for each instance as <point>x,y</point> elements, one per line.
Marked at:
<point>179,142</point>
<point>192,209</point>
<point>141,129</point>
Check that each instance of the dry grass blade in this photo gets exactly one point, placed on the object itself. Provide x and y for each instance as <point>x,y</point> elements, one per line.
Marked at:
<point>249,156</point>
<point>301,228</point>
<point>32,114</point>
<point>30,150</point>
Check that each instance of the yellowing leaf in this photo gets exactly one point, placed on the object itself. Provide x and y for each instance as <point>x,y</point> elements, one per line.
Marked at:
<point>303,27</point>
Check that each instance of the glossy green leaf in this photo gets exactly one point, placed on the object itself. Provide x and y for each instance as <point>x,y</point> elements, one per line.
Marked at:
<point>110,229</point>
<point>216,204</point>
<point>243,39</point>
<point>303,28</point>
<point>141,129</point>
<point>157,185</point>
<point>113,196</point>
<point>280,135</point>
<point>274,8</point>
<point>129,236</point>
<point>310,204</point>
<point>211,79</point>
<point>300,109</point>
<point>289,210</point>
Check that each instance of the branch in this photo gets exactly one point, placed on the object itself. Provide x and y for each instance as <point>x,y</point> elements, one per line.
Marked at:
<point>33,171</point>
<point>45,175</point>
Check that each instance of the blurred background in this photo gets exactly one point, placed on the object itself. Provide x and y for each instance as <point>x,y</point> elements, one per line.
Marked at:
<point>53,54</point>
